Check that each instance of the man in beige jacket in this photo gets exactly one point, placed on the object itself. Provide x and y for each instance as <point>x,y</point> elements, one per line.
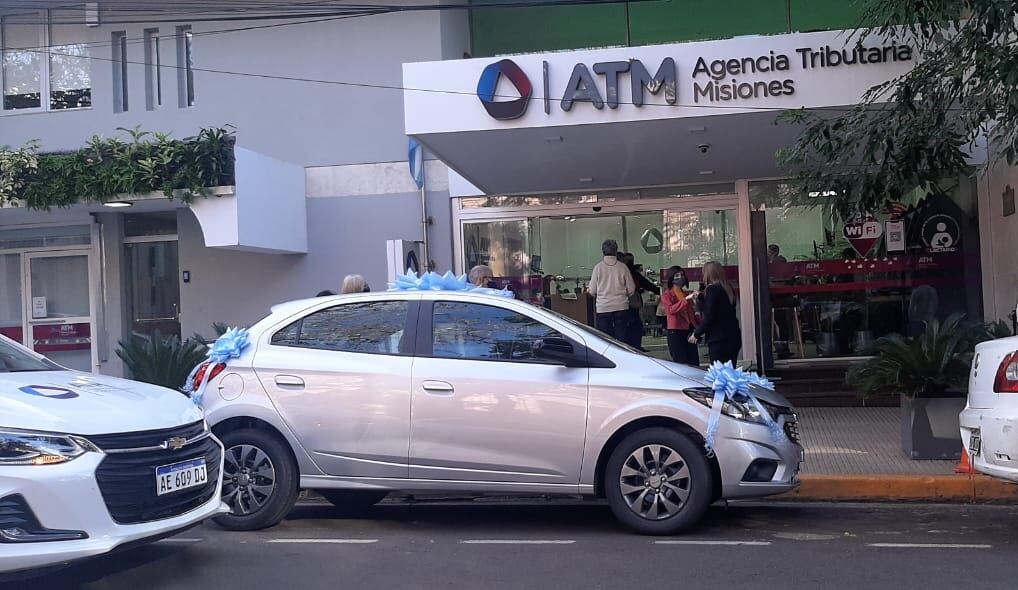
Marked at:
<point>611,285</point>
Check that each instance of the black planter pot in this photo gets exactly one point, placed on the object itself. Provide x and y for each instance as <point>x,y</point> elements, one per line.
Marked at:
<point>929,426</point>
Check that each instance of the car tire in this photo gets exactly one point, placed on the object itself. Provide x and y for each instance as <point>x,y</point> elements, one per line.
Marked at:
<point>259,480</point>
<point>655,501</point>
<point>352,499</point>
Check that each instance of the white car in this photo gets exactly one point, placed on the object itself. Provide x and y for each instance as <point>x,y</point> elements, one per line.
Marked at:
<point>89,463</point>
<point>989,423</point>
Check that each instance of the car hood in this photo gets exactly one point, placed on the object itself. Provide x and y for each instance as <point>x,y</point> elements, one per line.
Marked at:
<point>700,377</point>
<point>83,403</point>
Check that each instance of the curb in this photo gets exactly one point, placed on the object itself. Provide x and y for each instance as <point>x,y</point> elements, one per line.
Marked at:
<point>914,488</point>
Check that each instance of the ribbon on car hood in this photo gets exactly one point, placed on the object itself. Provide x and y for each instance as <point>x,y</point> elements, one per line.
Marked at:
<point>228,346</point>
<point>732,383</point>
<point>432,281</point>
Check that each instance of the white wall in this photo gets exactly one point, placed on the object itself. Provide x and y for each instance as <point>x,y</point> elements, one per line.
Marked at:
<point>999,242</point>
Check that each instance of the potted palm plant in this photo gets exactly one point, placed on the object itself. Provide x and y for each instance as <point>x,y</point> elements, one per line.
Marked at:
<point>930,373</point>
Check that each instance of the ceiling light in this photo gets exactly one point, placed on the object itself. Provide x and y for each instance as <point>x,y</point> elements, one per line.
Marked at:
<point>118,204</point>
<point>587,179</point>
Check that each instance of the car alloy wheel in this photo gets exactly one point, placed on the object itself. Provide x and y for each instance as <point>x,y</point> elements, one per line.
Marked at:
<point>655,482</point>
<point>249,479</point>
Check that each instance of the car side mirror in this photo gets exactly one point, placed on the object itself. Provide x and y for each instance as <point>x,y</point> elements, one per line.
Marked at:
<point>559,351</point>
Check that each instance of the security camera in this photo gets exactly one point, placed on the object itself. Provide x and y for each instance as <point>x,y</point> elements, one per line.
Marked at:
<point>703,148</point>
<point>597,209</point>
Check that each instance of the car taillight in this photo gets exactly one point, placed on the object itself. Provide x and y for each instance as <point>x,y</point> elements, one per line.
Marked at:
<point>1007,375</point>
<point>205,373</point>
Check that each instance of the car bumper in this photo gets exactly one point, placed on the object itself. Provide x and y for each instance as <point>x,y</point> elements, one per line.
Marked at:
<point>67,497</point>
<point>997,428</point>
<point>741,445</point>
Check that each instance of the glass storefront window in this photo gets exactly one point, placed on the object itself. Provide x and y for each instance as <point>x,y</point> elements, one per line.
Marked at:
<point>576,198</point>
<point>44,237</point>
<point>10,297</point>
<point>549,260</point>
<point>836,285</point>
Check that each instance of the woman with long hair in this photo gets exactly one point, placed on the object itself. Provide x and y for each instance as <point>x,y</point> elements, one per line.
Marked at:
<point>720,324</point>
<point>680,316</point>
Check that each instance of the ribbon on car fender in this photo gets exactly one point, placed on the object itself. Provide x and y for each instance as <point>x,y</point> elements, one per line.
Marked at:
<point>432,281</point>
<point>228,346</point>
<point>727,382</point>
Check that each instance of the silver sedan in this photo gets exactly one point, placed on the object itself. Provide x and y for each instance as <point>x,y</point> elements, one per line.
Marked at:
<point>356,396</point>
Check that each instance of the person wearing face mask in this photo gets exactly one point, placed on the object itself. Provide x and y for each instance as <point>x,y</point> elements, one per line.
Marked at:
<point>680,317</point>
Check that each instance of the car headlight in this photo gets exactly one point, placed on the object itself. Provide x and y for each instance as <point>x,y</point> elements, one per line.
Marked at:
<point>22,447</point>
<point>740,408</point>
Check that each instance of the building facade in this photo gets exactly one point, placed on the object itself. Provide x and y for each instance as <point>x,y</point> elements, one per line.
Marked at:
<point>548,129</point>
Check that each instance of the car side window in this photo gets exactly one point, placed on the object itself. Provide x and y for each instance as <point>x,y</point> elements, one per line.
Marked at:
<point>485,332</point>
<point>375,327</point>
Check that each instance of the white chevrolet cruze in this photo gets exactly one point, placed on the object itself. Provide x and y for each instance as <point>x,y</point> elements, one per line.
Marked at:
<point>89,463</point>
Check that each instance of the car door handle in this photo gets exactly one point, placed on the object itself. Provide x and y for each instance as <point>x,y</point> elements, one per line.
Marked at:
<point>437,387</point>
<point>289,381</point>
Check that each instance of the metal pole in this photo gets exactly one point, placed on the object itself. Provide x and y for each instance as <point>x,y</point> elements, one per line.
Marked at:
<point>424,222</point>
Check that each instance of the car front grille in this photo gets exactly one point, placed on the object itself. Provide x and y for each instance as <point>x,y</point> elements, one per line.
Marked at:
<point>127,480</point>
<point>146,438</point>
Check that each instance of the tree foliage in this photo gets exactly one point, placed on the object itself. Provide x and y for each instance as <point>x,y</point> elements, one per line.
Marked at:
<point>916,130</point>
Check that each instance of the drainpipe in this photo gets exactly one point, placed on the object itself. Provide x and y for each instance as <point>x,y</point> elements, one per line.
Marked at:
<point>425,223</point>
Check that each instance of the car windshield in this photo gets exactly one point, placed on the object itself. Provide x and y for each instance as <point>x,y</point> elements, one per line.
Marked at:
<point>14,359</point>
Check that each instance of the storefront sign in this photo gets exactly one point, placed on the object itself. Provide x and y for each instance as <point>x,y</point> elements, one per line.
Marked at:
<point>39,307</point>
<point>940,233</point>
<point>712,80</point>
<point>895,236</point>
<point>863,233</point>
<point>61,337</point>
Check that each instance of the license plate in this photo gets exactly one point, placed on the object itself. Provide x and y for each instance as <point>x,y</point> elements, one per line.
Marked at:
<point>975,443</point>
<point>181,476</point>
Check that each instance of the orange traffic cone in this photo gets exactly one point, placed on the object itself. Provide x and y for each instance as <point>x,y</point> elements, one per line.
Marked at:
<point>965,466</point>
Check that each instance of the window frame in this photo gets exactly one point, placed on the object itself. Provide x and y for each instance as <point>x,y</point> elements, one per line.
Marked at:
<point>426,334</point>
<point>185,67</point>
<point>45,71</point>
<point>406,346</point>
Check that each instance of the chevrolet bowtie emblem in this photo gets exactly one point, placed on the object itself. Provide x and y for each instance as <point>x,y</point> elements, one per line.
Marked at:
<point>176,443</point>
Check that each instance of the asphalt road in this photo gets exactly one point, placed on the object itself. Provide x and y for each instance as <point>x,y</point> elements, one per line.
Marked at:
<point>565,545</point>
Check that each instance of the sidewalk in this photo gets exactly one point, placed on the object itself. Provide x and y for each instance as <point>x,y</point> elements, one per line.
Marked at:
<point>855,454</point>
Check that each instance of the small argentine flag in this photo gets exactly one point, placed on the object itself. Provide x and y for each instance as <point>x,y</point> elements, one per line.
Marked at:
<point>415,155</point>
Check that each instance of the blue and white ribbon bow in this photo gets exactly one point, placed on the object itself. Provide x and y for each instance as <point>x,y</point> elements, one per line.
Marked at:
<point>228,346</point>
<point>732,383</point>
<point>432,281</point>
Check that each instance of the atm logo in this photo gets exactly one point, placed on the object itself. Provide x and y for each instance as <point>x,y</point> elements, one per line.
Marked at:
<point>504,110</point>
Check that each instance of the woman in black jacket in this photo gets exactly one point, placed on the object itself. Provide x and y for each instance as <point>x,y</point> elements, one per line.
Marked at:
<point>720,325</point>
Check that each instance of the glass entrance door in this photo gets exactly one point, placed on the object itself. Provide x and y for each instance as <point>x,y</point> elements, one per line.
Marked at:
<point>548,259</point>
<point>58,307</point>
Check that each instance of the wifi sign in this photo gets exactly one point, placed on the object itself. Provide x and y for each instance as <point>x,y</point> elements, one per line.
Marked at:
<point>863,233</point>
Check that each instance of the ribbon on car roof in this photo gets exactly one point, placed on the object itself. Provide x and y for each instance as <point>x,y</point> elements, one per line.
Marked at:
<point>228,346</point>
<point>432,281</point>
<point>733,383</point>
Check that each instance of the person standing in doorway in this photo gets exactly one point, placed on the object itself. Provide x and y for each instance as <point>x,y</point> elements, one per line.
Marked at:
<point>611,285</point>
<point>643,285</point>
<point>681,317</point>
<point>720,325</point>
